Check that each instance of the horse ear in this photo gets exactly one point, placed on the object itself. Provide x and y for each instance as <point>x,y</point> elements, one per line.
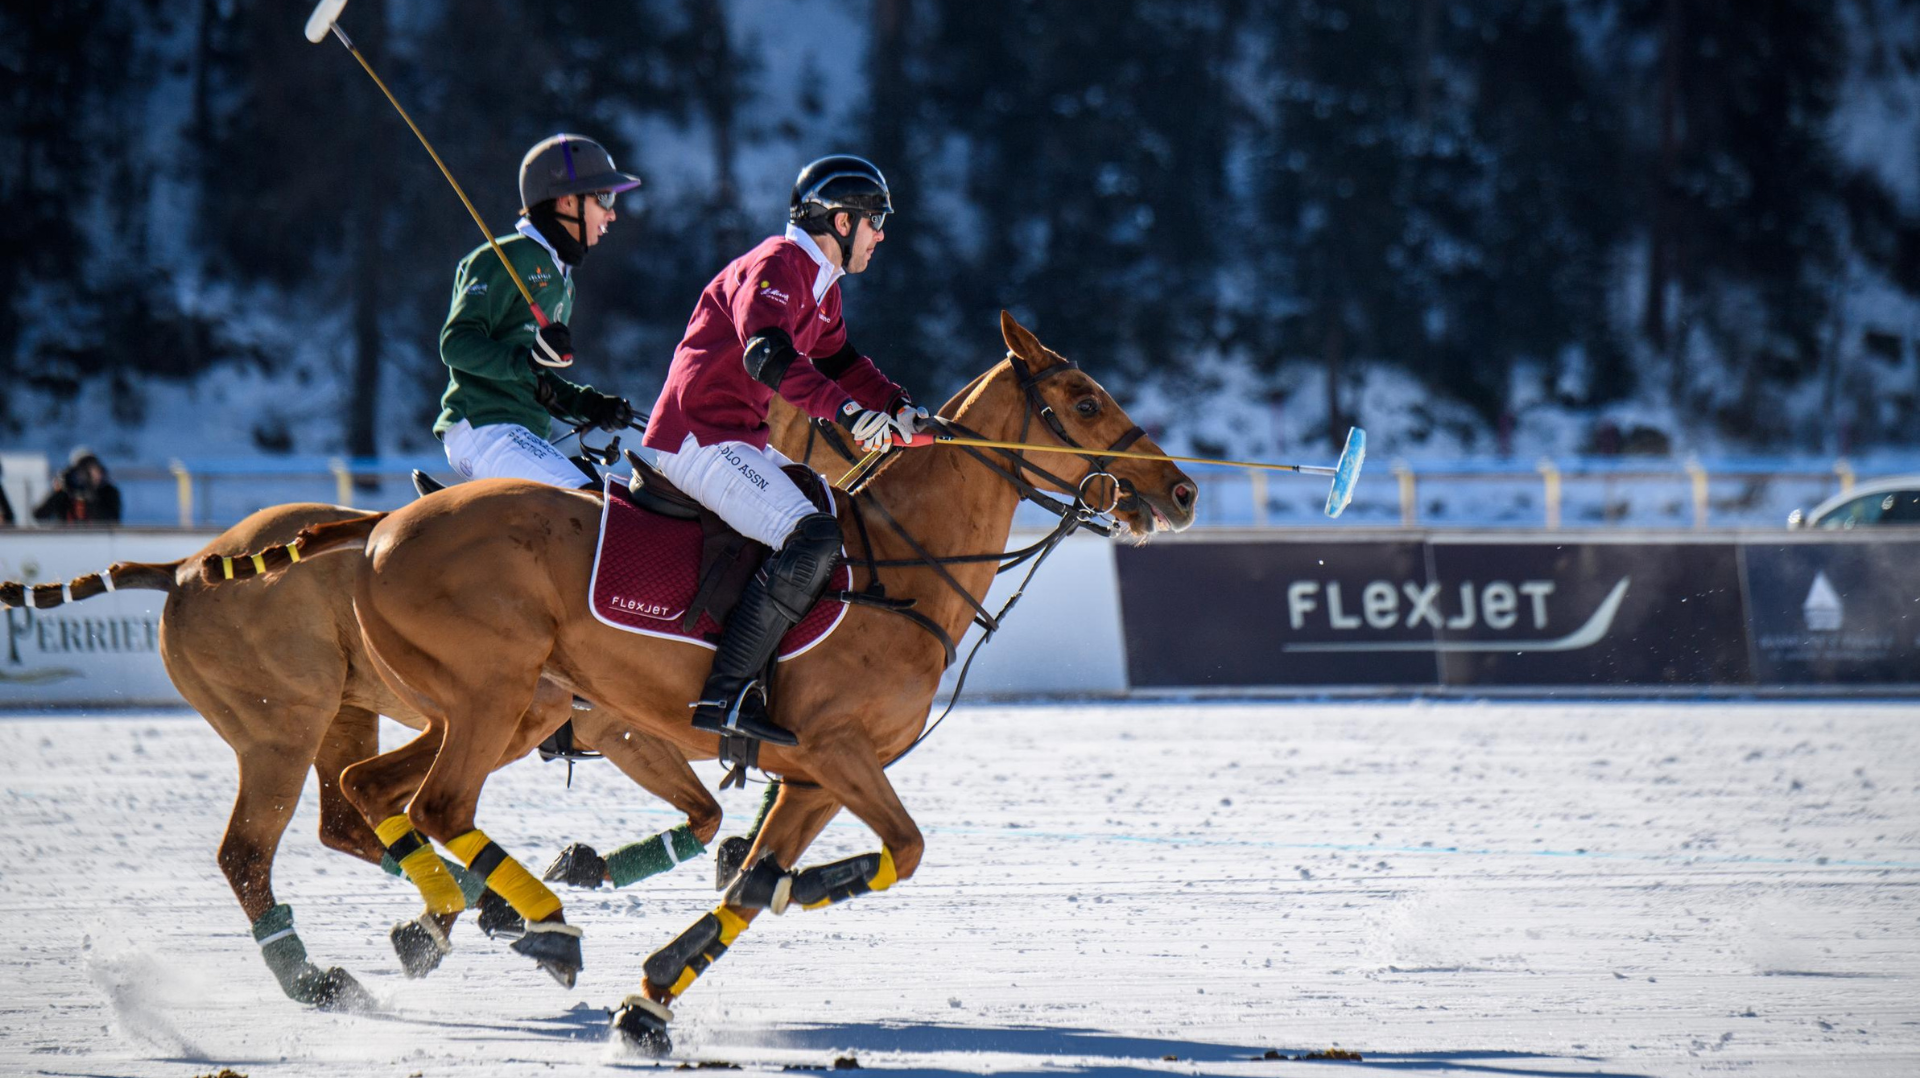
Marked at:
<point>1023,344</point>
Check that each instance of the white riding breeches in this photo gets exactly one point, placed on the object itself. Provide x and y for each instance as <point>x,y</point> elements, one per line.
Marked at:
<point>742,485</point>
<point>509,451</point>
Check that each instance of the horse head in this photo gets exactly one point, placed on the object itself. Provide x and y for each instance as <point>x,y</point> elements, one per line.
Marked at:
<point>1074,410</point>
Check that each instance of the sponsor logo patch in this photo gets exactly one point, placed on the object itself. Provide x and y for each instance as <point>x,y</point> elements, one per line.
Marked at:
<point>477,288</point>
<point>770,292</point>
<point>1498,605</point>
<point>1823,609</point>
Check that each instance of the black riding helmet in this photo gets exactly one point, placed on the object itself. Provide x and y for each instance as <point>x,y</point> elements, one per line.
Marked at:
<point>567,165</point>
<point>838,184</point>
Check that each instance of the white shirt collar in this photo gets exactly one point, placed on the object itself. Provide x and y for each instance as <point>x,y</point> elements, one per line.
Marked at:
<point>525,228</point>
<point>829,272</point>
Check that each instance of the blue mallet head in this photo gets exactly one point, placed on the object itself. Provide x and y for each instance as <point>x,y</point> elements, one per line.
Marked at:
<point>1347,472</point>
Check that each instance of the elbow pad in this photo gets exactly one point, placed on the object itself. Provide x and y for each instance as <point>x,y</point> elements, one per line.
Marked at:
<point>769,353</point>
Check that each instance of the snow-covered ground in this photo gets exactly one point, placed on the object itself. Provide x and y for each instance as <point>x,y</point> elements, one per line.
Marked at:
<point>1444,888</point>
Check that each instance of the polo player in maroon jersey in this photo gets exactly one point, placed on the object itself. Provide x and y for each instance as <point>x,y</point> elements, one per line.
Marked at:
<point>770,322</point>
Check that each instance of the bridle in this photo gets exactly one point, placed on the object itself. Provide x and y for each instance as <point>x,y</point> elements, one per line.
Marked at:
<point>1012,466</point>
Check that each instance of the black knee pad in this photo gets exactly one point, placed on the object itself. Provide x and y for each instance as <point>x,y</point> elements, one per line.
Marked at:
<point>798,572</point>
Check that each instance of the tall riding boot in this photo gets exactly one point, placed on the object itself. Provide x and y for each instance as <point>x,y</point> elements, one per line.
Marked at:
<point>734,701</point>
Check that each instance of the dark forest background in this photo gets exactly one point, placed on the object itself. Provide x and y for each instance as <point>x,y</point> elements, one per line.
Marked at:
<point>1652,201</point>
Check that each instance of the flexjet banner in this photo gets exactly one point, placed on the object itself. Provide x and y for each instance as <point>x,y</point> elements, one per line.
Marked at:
<point>1475,612</point>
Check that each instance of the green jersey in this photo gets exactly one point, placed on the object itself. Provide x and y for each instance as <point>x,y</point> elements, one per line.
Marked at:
<point>488,341</point>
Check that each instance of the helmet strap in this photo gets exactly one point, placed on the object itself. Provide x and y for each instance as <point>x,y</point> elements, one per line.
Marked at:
<point>547,218</point>
<point>580,220</point>
<point>845,242</point>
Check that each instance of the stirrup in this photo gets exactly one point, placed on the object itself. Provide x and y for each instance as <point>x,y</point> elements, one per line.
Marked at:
<point>738,720</point>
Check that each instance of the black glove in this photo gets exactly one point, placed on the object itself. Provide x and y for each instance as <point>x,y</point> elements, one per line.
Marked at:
<point>553,346</point>
<point>607,412</point>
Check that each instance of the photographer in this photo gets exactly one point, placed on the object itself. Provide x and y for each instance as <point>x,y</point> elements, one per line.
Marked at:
<point>83,494</point>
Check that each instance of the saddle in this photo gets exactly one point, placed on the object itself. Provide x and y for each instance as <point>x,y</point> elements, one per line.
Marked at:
<point>667,566</point>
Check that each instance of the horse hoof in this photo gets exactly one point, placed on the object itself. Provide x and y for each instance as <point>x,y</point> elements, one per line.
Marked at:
<point>728,859</point>
<point>577,866</point>
<point>498,919</point>
<point>336,990</point>
<point>640,1026</point>
<point>420,945</point>
<point>556,947</point>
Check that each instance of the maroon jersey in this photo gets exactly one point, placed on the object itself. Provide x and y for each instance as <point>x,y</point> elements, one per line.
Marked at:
<point>783,282</point>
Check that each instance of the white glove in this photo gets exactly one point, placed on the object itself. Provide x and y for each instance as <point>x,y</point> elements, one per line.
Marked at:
<point>876,430</point>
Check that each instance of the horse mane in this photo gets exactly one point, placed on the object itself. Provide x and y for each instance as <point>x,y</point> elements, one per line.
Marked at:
<point>955,407</point>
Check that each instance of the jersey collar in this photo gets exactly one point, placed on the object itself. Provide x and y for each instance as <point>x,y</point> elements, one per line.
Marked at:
<point>526,228</point>
<point>828,272</point>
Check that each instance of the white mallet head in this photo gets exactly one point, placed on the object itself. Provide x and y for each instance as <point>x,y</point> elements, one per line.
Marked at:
<point>321,21</point>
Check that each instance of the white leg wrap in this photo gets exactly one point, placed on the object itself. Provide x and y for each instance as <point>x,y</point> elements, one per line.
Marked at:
<point>106,579</point>
<point>648,1006</point>
<point>553,926</point>
<point>439,935</point>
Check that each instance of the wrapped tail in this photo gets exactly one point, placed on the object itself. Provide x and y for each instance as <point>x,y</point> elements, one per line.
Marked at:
<point>312,542</point>
<point>158,576</point>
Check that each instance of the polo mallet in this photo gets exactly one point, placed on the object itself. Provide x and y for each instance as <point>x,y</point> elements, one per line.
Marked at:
<point>324,18</point>
<point>1345,473</point>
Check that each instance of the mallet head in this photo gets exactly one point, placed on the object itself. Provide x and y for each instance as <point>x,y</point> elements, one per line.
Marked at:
<point>321,21</point>
<point>1347,472</point>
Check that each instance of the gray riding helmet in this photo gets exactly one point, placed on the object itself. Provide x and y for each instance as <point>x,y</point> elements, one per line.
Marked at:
<point>569,165</point>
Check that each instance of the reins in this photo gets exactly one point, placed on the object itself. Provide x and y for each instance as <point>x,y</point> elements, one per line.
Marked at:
<point>1073,516</point>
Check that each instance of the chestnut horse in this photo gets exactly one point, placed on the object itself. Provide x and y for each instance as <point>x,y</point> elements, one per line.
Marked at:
<point>468,599</point>
<point>278,670</point>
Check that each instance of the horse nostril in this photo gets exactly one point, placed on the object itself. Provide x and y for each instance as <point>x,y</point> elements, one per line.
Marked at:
<point>1183,495</point>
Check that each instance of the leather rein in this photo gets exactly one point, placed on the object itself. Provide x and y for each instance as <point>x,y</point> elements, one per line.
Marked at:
<point>1013,467</point>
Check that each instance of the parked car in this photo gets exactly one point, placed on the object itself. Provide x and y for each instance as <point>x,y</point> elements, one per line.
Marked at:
<point>1884,502</point>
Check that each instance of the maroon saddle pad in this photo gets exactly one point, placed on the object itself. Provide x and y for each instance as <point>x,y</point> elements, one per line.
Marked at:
<point>646,573</point>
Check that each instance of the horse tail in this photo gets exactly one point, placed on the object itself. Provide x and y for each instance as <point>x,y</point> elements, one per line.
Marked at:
<point>313,541</point>
<point>150,576</point>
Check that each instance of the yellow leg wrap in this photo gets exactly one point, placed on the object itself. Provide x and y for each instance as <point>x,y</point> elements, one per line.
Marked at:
<point>731,925</point>
<point>506,877</point>
<point>886,877</point>
<point>293,551</point>
<point>226,566</point>
<point>259,564</point>
<point>687,977</point>
<point>438,889</point>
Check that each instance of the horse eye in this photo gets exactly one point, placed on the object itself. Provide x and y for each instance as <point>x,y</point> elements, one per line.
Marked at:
<point>1087,407</point>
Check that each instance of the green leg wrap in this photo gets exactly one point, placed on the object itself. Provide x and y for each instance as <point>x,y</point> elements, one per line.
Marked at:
<point>286,956</point>
<point>766,806</point>
<point>472,884</point>
<point>301,980</point>
<point>389,866</point>
<point>650,857</point>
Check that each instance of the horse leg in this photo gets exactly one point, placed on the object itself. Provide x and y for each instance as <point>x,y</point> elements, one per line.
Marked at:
<point>796,819</point>
<point>353,736</point>
<point>271,776</point>
<point>380,788</point>
<point>444,810</point>
<point>661,769</point>
<point>848,769</point>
